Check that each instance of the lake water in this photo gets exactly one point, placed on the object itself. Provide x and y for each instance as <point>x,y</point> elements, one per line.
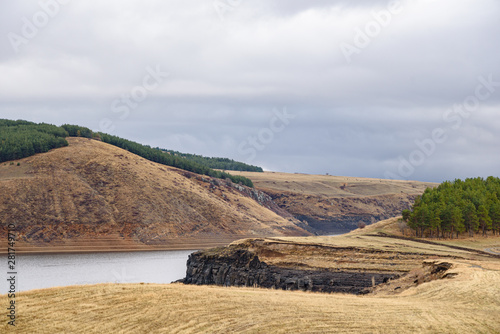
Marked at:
<point>45,271</point>
<point>51,270</point>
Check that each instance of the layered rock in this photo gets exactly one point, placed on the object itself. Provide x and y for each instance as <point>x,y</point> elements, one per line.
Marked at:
<point>240,267</point>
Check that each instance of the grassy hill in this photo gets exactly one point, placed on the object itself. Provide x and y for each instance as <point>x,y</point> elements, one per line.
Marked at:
<point>94,196</point>
<point>20,139</point>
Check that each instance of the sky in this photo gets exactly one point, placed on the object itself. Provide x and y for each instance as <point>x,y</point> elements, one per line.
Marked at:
<point>385,89</point>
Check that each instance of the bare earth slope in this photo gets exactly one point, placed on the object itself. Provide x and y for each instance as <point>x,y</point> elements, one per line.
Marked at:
<point>337,203</point>
<point>94,196</point>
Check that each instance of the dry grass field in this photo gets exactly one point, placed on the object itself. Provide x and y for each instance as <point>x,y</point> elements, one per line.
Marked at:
<point>333,186</point>
<point>72,188</point>
<point>466,303</point>
<point>386,236</point>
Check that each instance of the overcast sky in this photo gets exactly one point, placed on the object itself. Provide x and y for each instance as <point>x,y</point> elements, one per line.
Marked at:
<point>394,89</point>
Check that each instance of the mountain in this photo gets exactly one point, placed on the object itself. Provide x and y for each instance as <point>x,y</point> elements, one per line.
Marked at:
<point>94,196</point>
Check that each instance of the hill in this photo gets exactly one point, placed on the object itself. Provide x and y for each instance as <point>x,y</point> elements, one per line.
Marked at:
<point>333,204</point>
<point>94,196</point>
<point>20,139</point>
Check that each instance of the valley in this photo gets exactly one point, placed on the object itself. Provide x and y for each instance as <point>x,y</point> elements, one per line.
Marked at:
<point>332,204</point>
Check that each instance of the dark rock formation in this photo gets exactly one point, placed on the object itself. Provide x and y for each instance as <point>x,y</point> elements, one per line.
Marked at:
<point>240,267</point>
<point>262,198</point>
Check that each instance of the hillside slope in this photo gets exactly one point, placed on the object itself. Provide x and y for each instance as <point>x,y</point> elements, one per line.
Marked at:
<point>94,196</point>
<point>333,204</point>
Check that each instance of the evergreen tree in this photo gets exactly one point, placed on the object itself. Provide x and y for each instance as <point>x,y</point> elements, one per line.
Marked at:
<point>484,219</point>
<point>456,207</point>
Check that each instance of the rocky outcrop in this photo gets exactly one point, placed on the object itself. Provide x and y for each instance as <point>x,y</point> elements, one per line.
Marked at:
<point>339,225</point>
<point>231,266</point>
<point>430,270</point>
<point>257,195</point>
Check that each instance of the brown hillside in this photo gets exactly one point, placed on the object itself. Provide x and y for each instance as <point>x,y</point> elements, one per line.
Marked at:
<point>94,196</point>
<point>330,203</point>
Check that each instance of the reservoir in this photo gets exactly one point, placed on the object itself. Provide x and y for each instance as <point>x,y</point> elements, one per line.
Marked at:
<point>51,270</point>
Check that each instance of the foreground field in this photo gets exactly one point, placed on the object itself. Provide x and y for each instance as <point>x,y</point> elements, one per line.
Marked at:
<point>466,304</point>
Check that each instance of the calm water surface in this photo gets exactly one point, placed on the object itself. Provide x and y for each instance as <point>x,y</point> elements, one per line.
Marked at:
<point>45,271</point>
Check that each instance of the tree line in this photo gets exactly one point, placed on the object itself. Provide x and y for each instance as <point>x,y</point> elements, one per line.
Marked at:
<point>21,139</point>
<point>168,159</point>
<point>216,163</point>
<point>456,207</point>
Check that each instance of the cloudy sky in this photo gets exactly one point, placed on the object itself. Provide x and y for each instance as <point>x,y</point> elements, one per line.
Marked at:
<point>394,89</point>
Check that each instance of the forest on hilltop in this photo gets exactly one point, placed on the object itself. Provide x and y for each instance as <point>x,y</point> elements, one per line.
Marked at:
<point>216,163</point>
<point>456,207</point>
<point>163,158</point>
<point>20,139</point>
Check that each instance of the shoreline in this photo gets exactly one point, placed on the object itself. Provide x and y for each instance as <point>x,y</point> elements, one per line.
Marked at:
<point>115,244</point>
<point>45,251</point>
<point>78,250</point>
<point>87,246</point>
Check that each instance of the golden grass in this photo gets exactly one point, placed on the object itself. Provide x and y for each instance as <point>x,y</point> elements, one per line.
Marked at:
<point>369,237</point>
<point>372,249</point>
<point>365,239</point>
<point>466,304</point>
<point>478,242</point>
<point>333,186</point>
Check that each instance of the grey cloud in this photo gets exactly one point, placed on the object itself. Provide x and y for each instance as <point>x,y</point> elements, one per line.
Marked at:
<point>227,76</point>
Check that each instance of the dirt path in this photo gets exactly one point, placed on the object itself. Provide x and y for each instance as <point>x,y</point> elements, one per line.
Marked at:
<point>494,251</point>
